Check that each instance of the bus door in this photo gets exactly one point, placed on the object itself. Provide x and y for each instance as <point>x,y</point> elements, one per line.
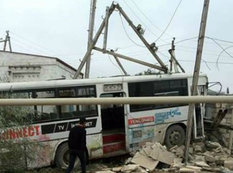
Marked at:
<point>113,126</point>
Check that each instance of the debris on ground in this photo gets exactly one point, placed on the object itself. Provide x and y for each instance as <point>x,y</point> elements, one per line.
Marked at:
<point>153,157</point>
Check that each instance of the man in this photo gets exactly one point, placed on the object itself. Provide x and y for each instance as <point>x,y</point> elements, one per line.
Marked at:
<point>77,145</point>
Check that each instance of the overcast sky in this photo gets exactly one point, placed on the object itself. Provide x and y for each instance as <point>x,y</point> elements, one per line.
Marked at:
<point>59,28</point>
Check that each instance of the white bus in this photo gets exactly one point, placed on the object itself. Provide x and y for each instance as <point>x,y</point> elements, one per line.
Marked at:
<point>111,129</point>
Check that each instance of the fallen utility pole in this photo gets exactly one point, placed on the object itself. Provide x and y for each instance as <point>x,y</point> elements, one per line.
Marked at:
<point>119,100</point>
<point>196,76</point>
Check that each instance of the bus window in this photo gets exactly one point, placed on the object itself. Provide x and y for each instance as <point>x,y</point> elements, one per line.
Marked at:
<point>66,111</point>
<point>45,112</point>
<point>173,87</point>
<point>74,111</point>
<point>85,92</point>
<point>18,115</point>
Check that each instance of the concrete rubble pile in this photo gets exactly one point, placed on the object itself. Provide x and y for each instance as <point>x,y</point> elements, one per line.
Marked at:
<point>153,157</point>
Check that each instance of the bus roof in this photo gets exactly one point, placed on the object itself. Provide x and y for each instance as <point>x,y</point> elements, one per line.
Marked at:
<point>91,81</point>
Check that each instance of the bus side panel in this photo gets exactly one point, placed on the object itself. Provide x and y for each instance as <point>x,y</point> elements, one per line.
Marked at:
<point>43,154</point>
<point>151,126</point>
<point>94,145</point>
<point>171,115</point>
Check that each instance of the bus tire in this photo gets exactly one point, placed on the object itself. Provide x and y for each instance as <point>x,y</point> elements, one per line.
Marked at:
<point>62,157</point>
<point>175,135</point>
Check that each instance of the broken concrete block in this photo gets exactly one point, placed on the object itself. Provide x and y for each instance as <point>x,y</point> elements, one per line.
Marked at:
<point>228,164</point>
<point>189,170</point>
<point>130,168</point>
<point>144,161</point>
<point>209,158</point>
<point>104,172</point>
<point>179,151</point>
<point>140,170</point>
<point>201,164</point>
<point>117,169</point>
<point>198,158</point>
<point>215,146</point>
<point>198,147</point>
<point>177,163</point>
<point>128,160</point>
<point>161,154</point>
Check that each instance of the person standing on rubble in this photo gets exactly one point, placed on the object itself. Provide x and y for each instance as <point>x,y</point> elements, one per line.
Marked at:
<point>77,146</point>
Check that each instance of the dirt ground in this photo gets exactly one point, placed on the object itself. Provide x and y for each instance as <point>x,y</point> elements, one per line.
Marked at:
<point>94,165</point>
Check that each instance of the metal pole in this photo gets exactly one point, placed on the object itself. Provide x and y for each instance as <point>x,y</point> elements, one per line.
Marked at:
<point>90,35</point>
<point>119,100</point>
<point>164,68</point>
<point>196,76</point>
<point>92,44</point>
<point>129,58</point>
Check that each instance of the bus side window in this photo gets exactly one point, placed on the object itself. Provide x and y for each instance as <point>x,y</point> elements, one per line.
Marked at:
<point>44,112</point>
<point>174,87</point>
<point>66,111</point>
<point>86,110</point>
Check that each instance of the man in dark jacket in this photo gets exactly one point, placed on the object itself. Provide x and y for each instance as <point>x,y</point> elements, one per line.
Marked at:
<point>77,145</point>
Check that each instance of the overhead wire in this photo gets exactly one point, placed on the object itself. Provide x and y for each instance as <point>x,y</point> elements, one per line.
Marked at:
<point>114,64</point>
<point>127,33</point>
<point>221,54</point>
<point>148,19</point>
<point>169,22</point>
<point>141,20</point>
<point>177,42</point>
<point>32,43</point>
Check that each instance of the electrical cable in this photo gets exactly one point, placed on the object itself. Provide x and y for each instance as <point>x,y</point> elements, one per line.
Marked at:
<point>115,65</point>
<point>180,41</point>
<point>147,18</point>
<point>169,22</point>
<point>127,33</point>
<point>215,83</point>
<point>219,39</point>
<point>221,54</point>
<point>142,20</point>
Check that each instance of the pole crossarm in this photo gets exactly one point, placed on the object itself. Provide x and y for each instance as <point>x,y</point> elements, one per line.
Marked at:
<point>124,100</point>
<point>129,58</point>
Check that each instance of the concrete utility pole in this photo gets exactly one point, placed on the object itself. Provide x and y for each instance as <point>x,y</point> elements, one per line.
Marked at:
<point>173,60</point>
<point>90,35</point>
<point>7,39</point>
<point>196,76</point>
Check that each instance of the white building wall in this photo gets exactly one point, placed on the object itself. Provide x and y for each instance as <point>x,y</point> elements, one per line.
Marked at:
<point>17,67</point>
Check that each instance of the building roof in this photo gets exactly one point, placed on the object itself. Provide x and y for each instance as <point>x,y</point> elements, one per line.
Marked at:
<point>57,59</point>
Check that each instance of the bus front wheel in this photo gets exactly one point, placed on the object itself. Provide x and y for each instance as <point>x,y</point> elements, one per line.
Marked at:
<point>62,157</point>
<point>175,135</point>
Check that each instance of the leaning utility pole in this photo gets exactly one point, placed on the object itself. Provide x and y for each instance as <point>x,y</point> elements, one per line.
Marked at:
<point>196,76</point>
<point>90,35</point>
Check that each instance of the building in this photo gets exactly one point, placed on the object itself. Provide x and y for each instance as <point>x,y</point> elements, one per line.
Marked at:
<point>19,67</point>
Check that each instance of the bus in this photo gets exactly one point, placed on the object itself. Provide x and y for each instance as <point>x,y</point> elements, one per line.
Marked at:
<point>112,129</point>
